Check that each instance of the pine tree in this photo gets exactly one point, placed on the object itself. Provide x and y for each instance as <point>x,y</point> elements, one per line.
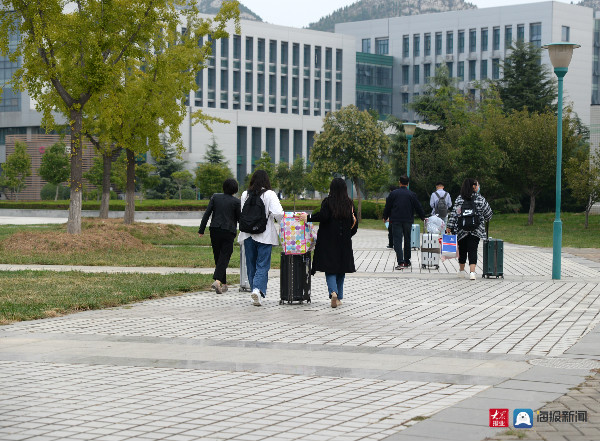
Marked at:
<point>526,82</point>
<point>213,154</point>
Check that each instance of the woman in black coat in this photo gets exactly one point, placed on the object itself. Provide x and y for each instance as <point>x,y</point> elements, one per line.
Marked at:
<point>333,251</point>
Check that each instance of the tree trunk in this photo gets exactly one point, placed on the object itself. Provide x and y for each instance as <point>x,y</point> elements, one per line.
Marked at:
<point>130,188</point>
<point>587,211</point>
<point>531,209</point>
<point>359,201</point>
<point>74,222</point>
<point>56,194</point>
<point>106,166</point>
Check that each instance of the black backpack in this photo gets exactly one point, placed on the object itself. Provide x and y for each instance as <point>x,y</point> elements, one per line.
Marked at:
<point>252,218</point>
<point>441,209</point>
<point>468,220</point>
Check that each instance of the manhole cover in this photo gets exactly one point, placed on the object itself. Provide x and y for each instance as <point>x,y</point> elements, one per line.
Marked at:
<point>566,363</point>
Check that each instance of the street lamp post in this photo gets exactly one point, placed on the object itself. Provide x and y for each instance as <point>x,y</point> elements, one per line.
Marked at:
<point>560,56</point>
<point>409,130</point>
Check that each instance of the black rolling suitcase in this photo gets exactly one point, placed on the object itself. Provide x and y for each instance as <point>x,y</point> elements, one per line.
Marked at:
<point>493,256</point>
<point>295,278</point>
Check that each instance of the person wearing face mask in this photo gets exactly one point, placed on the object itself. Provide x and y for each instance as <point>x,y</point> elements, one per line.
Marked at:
<point>467,220</point>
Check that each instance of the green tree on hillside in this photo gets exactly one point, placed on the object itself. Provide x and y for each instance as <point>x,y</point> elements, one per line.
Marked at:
<point>55,166</point>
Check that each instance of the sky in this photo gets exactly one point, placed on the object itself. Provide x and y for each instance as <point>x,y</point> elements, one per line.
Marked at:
<point>299,13</point>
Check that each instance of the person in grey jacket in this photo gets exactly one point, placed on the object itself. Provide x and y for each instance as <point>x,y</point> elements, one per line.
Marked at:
<point>225,210</point>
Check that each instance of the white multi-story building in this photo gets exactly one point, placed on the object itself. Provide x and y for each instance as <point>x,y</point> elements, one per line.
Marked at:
<point>472,43</point>
<point>274,85</point>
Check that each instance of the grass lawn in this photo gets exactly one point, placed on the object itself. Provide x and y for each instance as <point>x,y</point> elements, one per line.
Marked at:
<point>111,243</point>
<point>29,295</point>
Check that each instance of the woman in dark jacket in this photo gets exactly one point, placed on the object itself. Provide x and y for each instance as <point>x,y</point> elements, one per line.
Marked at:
<point>333,251</point>
<point>225,210</point>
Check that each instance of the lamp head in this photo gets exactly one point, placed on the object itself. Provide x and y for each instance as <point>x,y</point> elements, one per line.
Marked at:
<point>561,53</point>
<point>409,128</point>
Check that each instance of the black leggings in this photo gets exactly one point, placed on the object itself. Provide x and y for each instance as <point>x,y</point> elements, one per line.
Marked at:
<point>468,246</point>
<point>222,246</point>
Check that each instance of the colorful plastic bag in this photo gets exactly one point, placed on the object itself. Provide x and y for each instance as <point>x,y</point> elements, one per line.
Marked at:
<point>297,237</point>
<point>449,246</point>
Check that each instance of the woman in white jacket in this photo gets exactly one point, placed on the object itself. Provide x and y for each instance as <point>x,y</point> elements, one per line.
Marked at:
<point>258,246</point>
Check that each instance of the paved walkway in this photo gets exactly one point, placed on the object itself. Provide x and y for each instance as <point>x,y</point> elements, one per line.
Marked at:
<point>410,356</point>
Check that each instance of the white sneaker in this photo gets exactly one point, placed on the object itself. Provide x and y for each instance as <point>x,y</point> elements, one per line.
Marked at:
<point>461,274</point>
<point>472,276</point>
<point>256,297</point>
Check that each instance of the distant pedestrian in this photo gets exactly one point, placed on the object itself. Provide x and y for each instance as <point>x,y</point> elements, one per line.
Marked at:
<point>440,202</point>
<point>390,227</point>
<point>258,245</point>
<point>333,251</point>
<point>467,220</point>
<point>399,210</point>
<point>225,210</point>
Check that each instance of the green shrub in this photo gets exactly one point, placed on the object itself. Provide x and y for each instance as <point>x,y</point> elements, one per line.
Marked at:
<point>188,194</point>
<point>48,192</point>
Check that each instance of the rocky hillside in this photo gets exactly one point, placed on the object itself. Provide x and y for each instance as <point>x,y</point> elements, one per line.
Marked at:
<point>213,6</point>
<point>371,9</point>
<point>595,4</point>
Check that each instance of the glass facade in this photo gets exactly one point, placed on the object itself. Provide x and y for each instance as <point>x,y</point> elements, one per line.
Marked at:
<point>374,82</point>
<point>10,100</point>
<point>382,46</point>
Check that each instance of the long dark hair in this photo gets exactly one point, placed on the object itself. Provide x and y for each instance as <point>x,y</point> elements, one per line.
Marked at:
<point>259,180</point>
<point>339,202</point>
<point>466,191</point>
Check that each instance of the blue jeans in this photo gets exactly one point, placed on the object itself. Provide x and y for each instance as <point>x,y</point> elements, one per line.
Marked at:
<point>258,263</point>
<point>402,231</point>
<point>335,283</point>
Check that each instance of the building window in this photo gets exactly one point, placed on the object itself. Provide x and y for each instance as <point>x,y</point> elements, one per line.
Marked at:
<point>242,150</point>
<point>426,72</point>
<point>472,68</point>
<point>438,43</point>
<point>521,33</point>
<point>225,47</point>
<point>566,33</point>
<point>495,69</point>
<point>382,46</point>
<point>405,46</point>
<point>284,145</point>
<point>461,42</point>
<point>328,59</point>
<point>496,39</point>
<point>472,40</point>
<point>461,71</point>
<point>237,47</point>
<point>483,70</point>
<point>366,45</point>
<point>484,39</point>
<point>416,45</point>
<point>450,42</point>
<point>404,102</point>
<point>427,45</point>
<point>272,52</point>
<point>535,34</point>
<point>508,37</point>
<point>405,77</point>
<point>450,67</point>
<point>270,138</point>
<point>297,144</point>
<point>284,53</point>
<point>261,50</point>
<point>249,48</point>
<point>296,55</point>
<point>416,72</point>
<point>306,56</point>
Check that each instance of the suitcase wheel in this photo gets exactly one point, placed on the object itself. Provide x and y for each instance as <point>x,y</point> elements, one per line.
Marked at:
<point>437,267</point>
<point>281,302</point>
<point>423,266</point>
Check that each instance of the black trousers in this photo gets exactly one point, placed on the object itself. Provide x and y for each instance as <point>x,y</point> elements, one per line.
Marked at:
<point>390,235</point>
<point>222,246</point>
<point>467,246</point>
<point>402,231</point>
